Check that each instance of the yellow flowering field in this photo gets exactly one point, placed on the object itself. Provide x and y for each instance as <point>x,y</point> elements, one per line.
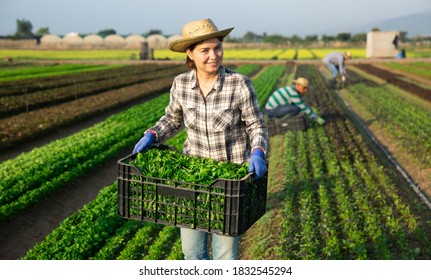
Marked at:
<point>163,54</point>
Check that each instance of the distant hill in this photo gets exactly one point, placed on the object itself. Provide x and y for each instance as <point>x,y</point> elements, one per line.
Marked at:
<point>415,24</point>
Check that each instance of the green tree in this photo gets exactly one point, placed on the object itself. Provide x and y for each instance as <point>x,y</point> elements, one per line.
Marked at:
<point>24,29</point>
<point>42,31</point>
<point>275,39</point>
<point>343,37</point>
<point>403,36</point>
<point>295,40</point>
<point>106,32</point>
<point>309,39</point>
<point>359,38</point>
<point>251,37</point>
<point>155,32</point>
<point>326,39</point>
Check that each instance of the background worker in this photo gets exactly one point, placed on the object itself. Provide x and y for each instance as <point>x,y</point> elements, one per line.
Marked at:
<point>336,63</point>
<point>287,101</point>
<point>220,112</point>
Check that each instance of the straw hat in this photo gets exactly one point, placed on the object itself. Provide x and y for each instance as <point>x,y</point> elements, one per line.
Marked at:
<point>197,31</point>
<point>301,81</point>
<point>348,55</point>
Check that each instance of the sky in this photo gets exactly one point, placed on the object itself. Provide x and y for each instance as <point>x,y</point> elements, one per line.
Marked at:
<point>282,17</point>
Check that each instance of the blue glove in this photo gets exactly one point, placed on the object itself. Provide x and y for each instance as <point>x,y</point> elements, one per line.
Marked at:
<point>144,143</point>
<point>257,163</point>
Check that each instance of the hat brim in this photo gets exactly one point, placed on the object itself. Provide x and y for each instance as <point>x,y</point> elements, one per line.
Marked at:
<point>182,44</point>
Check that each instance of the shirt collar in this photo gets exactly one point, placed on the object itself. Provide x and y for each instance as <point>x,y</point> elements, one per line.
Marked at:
<point>221,73</point>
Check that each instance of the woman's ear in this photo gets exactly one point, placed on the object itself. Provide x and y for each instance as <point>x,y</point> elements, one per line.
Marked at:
<point>189,54</point>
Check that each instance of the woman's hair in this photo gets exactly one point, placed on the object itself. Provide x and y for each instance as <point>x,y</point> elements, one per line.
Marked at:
<point>190,63</point>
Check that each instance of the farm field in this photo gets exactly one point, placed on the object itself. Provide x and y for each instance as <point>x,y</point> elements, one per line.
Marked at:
<point>165,54</point>
<point>332,194</point>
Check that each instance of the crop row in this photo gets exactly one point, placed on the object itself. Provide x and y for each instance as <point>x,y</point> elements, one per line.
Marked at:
<point>33,175</point>
<point>407,123</point>
<point>28,71</point>
<point>421,69</point>
<point>339,203</point>
<point>11,105</point>
<point>396,80</point>
<point>266,54</point>
<point>26,86</point>
<point>338,209</point>
<point>16,129</point>
<point>131,239</point>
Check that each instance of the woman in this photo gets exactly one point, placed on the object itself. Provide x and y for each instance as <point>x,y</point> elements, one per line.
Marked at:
<point>220,112</point>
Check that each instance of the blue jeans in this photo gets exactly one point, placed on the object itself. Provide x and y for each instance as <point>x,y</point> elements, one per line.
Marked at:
<point>283,110</point>
<point>195,245</point>
<point>334,70</point>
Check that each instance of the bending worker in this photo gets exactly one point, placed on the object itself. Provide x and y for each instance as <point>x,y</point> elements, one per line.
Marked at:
<point>287,101</point>
<point>336,63</point>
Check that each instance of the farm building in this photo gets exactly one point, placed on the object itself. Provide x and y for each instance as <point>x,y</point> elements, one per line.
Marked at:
<point>115,40</point>
<point>111,41</point>
<point>72,39</point>
<point>174,38</point>
<point>382,44</point>
<point>134,41</point>
<point>50,39</point>
<point>157,41</point>
<point>93,40</point>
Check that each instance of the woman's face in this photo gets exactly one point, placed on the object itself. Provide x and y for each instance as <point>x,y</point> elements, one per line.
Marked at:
<point>207,55</point>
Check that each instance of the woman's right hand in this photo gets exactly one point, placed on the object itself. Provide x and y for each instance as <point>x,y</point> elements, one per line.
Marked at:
<point>144,143</point>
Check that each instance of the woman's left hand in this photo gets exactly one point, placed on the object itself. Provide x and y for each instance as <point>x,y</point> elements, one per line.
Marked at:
<point>257,163</point>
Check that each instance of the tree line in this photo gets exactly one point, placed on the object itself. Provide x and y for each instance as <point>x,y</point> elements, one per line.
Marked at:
<point>24,30</point>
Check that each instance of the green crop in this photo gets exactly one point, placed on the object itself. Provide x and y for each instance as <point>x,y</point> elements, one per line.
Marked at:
<point>178,189</point>
<point>172,165</point>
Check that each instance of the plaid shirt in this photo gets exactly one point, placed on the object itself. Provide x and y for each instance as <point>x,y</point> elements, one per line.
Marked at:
<point>222,125</point>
